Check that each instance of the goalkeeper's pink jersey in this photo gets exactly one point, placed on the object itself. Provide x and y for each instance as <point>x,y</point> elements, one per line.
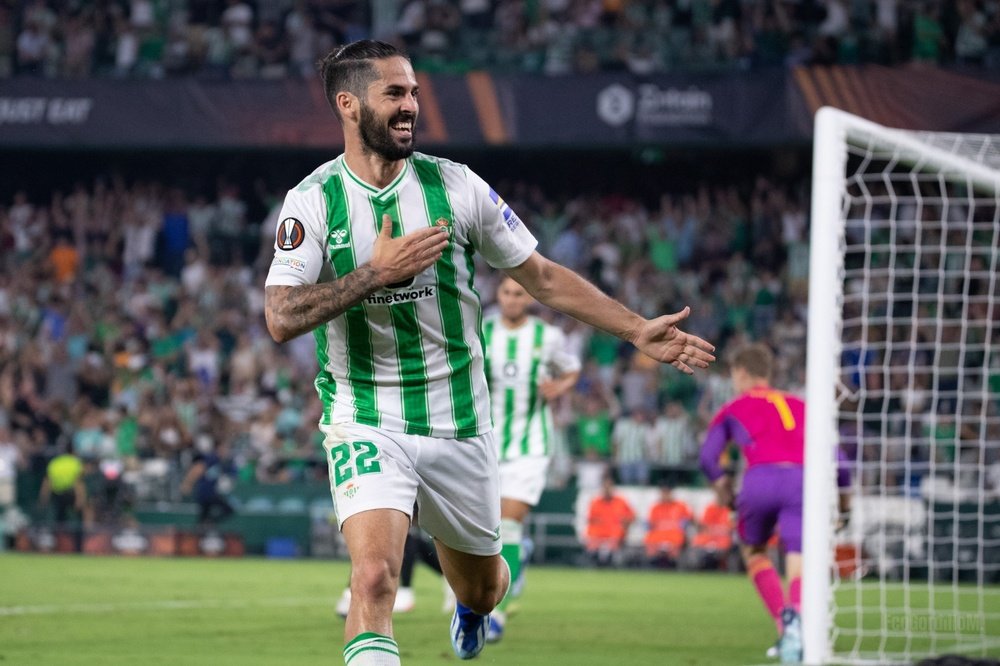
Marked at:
<point>768,425</point>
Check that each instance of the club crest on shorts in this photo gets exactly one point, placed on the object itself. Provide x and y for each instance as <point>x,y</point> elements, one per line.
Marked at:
<point>291,233</point>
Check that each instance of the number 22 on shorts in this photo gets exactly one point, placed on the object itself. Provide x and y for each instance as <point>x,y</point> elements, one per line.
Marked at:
<point>354,458</point>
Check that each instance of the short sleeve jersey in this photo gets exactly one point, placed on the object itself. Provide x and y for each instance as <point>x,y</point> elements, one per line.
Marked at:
<point>517,361</point>
<point>409,357</point>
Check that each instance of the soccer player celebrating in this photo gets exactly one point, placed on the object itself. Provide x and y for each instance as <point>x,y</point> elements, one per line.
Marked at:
<point>527,367</point>
<point>374,255</point>
<point>769,427</point>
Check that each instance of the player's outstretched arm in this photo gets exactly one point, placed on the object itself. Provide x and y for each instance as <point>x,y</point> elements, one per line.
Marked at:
<point>561,289</point>
<point>291,311</point>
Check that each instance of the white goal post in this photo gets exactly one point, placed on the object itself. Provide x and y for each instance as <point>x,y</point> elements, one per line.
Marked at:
<point>903,375</point>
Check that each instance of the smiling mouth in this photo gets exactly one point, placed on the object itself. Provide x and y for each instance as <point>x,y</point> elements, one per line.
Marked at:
<point>403,127</point>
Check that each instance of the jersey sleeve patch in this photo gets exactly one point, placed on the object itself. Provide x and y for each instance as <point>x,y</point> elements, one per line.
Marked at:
<point>509,217</point>
<point>290,234</point>
<point>290,261</point>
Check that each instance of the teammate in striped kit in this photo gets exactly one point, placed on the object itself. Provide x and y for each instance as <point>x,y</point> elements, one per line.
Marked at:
<point>374,255</point>
<point>526,368</point>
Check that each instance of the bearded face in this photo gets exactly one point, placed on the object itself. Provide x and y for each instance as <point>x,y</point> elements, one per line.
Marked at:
<point>391,138</point>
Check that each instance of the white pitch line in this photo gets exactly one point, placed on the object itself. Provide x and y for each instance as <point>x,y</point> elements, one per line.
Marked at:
<point>164,604</point>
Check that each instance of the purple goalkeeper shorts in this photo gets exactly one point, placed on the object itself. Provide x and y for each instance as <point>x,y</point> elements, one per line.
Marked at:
<point>771,496</point>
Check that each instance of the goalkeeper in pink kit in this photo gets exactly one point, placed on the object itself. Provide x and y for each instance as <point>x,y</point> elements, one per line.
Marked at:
<point>768,426</point>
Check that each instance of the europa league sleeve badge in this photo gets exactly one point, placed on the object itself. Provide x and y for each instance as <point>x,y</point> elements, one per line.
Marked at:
<point>291,233</point>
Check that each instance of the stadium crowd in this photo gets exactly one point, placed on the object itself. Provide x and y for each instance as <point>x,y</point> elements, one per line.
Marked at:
<point>131,331</point>
<point>280,38</point>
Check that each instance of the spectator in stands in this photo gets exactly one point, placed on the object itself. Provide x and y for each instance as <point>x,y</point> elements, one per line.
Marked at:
<point>668,523</point>
<point>269,39</point>
<point>608,519</point>
<point>34,47</point>
<point>175,235</point>
<point>593,426</point>
<point>672,443</point>
<point>928,35</point>
<point>591,471</point>
<point>64,260</point>
<point>629,445</point>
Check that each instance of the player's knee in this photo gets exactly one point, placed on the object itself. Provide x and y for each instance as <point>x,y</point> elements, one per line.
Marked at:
<point>484,594</point>
<point>373,579</point>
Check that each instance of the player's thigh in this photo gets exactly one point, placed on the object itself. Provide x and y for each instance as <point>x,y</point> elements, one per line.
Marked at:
<point>459,493</point>
<point>369,469</point>
<point>522,480</point>
<point>757,513</point>
<point>790,512</point>
<point>376,537</point>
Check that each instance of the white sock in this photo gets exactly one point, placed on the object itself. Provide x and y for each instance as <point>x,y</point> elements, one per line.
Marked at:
<point>371,649</point>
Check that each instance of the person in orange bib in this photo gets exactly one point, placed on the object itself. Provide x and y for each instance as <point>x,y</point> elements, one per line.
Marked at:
<point>668,521</point>
<point>608,520</point>
<point>713,540</point>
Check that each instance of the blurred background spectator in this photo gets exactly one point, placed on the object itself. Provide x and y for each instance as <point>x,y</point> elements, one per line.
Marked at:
<point>281,38</point>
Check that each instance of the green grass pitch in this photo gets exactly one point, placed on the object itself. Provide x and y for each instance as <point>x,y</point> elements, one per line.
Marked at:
<point>91,610</point>
<point>95,610</point>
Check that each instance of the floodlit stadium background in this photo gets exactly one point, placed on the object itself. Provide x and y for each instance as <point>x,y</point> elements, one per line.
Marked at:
<point>662,149</point>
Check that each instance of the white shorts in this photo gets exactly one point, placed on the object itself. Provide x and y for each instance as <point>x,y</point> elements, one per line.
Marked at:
<point>454,482</point>
<point>523,479</point>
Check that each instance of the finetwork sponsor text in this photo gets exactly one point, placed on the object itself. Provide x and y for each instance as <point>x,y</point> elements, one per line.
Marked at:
<point>392,298</point>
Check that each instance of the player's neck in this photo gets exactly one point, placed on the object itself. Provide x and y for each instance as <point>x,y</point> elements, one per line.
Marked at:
<point>511,324</point>
<point>761,385</point>
<point>371,168</point>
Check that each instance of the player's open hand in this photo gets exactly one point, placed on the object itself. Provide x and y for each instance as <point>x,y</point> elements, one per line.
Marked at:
<point>661,339</point>
<point>398,259</point>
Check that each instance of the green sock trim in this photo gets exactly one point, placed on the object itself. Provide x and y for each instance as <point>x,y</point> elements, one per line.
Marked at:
<point>369,641</point>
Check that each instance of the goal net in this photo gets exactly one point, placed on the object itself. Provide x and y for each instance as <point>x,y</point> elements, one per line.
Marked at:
<point>903,377</point>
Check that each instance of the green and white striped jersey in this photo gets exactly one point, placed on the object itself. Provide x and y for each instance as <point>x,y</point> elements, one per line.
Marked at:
<point>517,361</point>
<point>409,358</point>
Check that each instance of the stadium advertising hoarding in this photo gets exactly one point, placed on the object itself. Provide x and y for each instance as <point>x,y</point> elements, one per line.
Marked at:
<point>481,109</point>
<point>164,114</point>
<point>621,109</point>
<point>142,540</point>
<point>468,110</point>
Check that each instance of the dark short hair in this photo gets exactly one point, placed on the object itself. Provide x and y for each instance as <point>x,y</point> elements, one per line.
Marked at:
<point>350,68</point>
<point>757,359</point>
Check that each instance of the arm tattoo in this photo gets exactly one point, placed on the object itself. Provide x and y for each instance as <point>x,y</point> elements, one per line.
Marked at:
<point>292,311</point>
